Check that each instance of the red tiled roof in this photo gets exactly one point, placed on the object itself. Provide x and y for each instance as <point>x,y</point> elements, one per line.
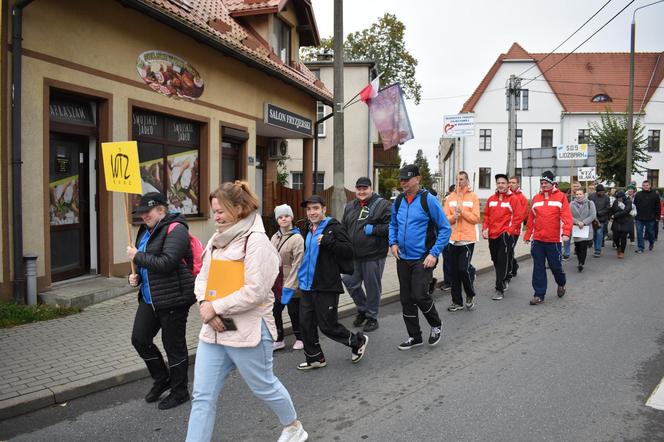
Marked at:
<point>240,7</point>
<point>581,76</point>
<point>516,52</point>
<point>212,18</point>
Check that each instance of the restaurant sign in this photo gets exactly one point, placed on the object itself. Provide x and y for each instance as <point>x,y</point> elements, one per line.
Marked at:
<point>284,119</point>
<point>169,75</point>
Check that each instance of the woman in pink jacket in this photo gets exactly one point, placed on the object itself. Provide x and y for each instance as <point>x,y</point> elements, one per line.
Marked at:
<point>240,236</point>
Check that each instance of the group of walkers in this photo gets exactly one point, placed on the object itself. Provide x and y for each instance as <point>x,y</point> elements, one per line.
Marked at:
<point>306,271</point>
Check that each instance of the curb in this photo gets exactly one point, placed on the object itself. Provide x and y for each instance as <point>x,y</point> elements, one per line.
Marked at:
<point>47,397</point>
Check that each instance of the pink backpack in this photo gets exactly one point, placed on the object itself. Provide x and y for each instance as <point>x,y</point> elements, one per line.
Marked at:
<point>196,249</point>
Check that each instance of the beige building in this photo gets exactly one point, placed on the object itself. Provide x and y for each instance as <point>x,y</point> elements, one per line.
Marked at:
<point>202,86</point>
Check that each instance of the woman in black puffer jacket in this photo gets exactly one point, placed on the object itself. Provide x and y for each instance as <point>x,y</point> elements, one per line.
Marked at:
<point>164,261</point>
<point>623,222</point>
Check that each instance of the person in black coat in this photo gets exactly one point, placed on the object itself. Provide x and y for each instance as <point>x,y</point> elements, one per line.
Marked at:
<point>164,260</point>
<point>623,222</point>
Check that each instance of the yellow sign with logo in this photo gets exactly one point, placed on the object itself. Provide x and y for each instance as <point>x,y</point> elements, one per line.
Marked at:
<point>121,167</point>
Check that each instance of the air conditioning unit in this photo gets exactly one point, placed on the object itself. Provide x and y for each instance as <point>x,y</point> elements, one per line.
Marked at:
<point>278,149</point>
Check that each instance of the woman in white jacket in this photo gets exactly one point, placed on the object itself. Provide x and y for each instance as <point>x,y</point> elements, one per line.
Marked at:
<point>240,236</point>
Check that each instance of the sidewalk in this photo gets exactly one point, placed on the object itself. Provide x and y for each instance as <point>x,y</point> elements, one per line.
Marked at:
<point>51,362</point>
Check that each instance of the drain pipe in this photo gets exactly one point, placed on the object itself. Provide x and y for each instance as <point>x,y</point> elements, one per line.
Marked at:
<point>17,162</point>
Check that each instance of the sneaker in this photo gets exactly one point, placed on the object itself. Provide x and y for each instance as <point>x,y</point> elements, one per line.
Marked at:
<point>597,255</point>
<point>278,345</point>
<point>536,300</point>
<point>293,433</point>
<point>565,257</point>
<point>298,345</point>
<point>651,247</point>
<point>157,390</point>
<point>357,355</point>
<point>172,401</point>
<point>579,268</point>
<point>443,285</point>
<point>561,291</point>
<point>506,283</point>
<point>638,251</point>
<point>470,303</point>
<point>359,319</point>
<point>312,365</point>
<point>454,307</point>
<point>370,325</point>
<point>498,296</point>
<point>436,333</point>
<point>432,285</point>
<point>410,343</point>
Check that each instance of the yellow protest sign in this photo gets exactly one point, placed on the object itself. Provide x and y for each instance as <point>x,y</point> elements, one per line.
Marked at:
<point>121,167</point>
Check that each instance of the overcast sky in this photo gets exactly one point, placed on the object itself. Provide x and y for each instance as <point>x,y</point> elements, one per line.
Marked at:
<point>456,43</point>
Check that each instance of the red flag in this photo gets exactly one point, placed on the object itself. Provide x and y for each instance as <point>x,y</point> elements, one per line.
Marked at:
<point>371,90</point>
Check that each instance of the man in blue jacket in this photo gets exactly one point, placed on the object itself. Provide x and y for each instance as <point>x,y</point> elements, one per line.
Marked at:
<point>418,232</point>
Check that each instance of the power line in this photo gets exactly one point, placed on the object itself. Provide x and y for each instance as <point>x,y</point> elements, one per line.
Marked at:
<point>567,39</point>
<point>582,43</point>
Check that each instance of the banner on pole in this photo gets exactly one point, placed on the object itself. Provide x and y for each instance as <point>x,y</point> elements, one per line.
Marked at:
<point>121,168</point>
<point>461,125</point>
<point>388,110</point>
<point>586,174</point>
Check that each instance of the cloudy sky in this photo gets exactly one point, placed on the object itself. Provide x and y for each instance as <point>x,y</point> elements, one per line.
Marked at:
<point>456,42</point>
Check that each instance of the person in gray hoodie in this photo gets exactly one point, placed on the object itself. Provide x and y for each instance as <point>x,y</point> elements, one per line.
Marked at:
<point>583,215</point>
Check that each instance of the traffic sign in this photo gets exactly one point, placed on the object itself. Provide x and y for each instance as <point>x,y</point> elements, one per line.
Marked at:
<point>572,151</point>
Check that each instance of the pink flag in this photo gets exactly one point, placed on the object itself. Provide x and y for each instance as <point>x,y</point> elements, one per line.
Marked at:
<point>388,111</point>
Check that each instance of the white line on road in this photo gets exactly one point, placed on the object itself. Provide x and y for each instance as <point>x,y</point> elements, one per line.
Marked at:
<point>656,399</point>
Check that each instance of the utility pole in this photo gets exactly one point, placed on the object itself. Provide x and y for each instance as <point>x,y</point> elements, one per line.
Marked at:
<point>338,192</point>
<point>513,90</point>
<point>630,107</point>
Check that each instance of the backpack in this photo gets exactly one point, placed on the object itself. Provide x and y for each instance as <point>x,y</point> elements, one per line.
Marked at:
<point>432,231</point>
<point>196,249</point>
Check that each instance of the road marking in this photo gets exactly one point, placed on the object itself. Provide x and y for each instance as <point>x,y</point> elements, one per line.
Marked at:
<point>656,399</point>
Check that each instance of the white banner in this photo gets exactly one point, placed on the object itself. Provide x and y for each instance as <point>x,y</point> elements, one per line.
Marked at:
<point>461,125</point>
<point>572,151</point>
<point>586,174</point>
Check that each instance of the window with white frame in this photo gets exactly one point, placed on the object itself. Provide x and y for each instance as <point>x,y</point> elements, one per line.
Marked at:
<point>297,181</point>
<point>653,177</point>
<point>584,136</point>
<point>653,141</point>
<point>519,139</point>
<point>320,113</point>
<point>522,100</point>
<point>485,178</point>
<point>485,139</point>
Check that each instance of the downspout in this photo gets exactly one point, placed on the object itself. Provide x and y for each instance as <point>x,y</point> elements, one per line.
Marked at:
<point>17,162</point>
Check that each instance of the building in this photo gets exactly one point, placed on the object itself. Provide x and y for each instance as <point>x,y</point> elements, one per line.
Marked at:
<point>560,94</point>
<point>202,86</point>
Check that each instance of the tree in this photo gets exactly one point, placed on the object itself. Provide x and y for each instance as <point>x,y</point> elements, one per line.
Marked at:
<point>388,179</point>
<point>610,140</point>
<point>423,164</point>
<point>383,42</point>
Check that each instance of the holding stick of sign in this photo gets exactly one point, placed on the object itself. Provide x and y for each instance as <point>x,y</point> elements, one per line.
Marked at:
<point>122,173</point>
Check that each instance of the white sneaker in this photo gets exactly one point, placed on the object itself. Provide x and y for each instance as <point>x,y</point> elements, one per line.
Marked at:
<point>298,345</point>
<point>278,345</point>
<point>293,433</point>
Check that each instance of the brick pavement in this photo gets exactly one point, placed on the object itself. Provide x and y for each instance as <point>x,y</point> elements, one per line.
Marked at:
<point>54,361</point>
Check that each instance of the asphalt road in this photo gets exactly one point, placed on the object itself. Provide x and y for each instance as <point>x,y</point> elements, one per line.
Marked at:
<point>578,368</point>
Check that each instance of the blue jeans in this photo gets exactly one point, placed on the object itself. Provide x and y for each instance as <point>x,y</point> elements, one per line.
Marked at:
<point>213,364</point>
<point>546,252</point>
<point>650,227</point>
<point>598,237</point>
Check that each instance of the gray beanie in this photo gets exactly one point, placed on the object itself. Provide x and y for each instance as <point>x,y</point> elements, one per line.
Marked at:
<point>284,209</point>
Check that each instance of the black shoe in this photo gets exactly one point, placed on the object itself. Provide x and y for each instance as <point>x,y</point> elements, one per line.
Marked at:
<point>436,333</point>
<point>561,291</point>
<point>651,246</point>
<point>359,319</point>
<point>432,285</point>
<point>370,325</point>
<point>410,343</point>
<point>580,268</point>
<point>156,391</point>
<point>358,353</point>
<point>172,401</point>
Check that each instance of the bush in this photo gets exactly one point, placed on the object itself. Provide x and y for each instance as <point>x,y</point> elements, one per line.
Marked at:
<point>12,314</point>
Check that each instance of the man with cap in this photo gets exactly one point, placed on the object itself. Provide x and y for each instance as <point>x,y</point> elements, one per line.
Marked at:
<point>367,221</point>
<point>418,233</point>
<point>549,211</point>
<point>498,228</point>
<point>328,252</point>
<point>603,208</point>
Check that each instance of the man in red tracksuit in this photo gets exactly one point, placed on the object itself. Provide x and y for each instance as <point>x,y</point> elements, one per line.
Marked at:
<point>498,228</point>
<point>549,222</point>
<point>520,208</point>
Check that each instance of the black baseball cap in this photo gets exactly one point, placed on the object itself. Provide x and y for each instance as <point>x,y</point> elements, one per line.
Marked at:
<point>363,182</point>
<point>599,188</point>
<point>501,175</point>
<point>409,171</point>
<point>313,199</point>
<point>150,200</point>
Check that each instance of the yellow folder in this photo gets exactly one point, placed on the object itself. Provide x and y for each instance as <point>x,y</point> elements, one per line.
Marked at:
<point>224,278</point>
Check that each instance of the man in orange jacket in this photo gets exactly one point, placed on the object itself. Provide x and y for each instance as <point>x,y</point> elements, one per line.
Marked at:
<point>549,222</point>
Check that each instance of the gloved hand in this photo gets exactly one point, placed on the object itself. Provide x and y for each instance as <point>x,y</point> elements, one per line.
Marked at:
<point>286,295</point>
<point>368,229</point>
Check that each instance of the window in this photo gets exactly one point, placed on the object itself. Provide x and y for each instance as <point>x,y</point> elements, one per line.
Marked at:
<point>518,173</point>
<point>169,155</point>
<point>601,98</point>
<point>653,141</point>
<point>522,99</point>
<point>584,136</point>
<point>547,138</point>
<point>320,183</point>
<point>485,178</point>
<point>653,177</point>
<point>281,41</point>
<point>485,139</point>
<point>298,181</point>
<point>320,113</point>
<point>519,139</point>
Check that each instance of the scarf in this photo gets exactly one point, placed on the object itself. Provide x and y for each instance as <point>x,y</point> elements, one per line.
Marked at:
<point>225,235</point>
<point>580,204</point>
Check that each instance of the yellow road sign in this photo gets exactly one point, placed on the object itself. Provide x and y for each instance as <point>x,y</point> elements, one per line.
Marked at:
<point>121,167</point>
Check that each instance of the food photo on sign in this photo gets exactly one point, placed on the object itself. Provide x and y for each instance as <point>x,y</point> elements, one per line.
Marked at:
<point>169,75</point>
<point>183,182</point>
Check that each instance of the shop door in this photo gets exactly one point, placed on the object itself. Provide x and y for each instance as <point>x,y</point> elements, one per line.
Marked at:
<point>69,206</point>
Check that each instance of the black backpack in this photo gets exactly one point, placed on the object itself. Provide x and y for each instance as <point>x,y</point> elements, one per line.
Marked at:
<point>432,230</point>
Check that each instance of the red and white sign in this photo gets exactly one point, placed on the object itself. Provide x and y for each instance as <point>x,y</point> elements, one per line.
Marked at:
<point>461,125</point>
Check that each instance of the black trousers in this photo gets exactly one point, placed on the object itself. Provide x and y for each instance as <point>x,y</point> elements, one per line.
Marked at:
<point>173,325</point>
<point>294,313</point>
<point>620,238</point>
<point>319,310</point>
<point>502,250</point>
<point>414,282</point>
<point>460,274</point>
<point>581,250</point>
<point>515,265</point>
